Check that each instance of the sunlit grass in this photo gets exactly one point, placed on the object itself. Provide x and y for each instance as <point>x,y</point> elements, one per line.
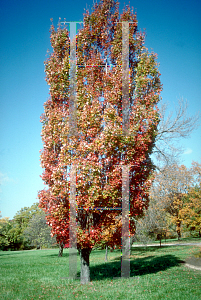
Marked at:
<point>156,273</point>
<point>175,241</point>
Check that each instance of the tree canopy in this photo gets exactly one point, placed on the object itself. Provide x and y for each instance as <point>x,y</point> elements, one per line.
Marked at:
<point>97,144</point>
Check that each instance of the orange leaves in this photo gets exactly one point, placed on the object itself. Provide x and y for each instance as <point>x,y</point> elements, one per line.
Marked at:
<point>99,148</point>
<point>191,211</point>
<point>176,195</point>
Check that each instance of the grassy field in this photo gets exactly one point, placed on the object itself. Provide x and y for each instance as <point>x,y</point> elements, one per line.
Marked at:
<point>156,273</point>
<point>175,241</point>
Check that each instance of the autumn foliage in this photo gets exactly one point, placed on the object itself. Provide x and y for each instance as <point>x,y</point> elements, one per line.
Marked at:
<point>191,210</point>
<point>175,202</point>
<point>99,149</point>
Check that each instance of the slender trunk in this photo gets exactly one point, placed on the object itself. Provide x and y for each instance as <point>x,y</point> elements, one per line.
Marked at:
<point>61,248</point>
<point>85,271</point>
<point>199,233</point>
<point>159,237</point>
<point>106,248</point>
<point>178,229</point>
<point>132,240</point>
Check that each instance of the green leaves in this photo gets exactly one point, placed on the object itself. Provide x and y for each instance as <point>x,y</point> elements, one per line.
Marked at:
<point>99,148</point>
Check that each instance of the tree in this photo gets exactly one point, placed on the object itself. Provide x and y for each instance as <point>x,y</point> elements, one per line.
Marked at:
<point>196,170</point>
<point>153,224</point>
<point>98,145</point>
<point>171,128</point>
<point>38,232</point>
<point>28,228</point>
<point>168,190</point>
<point>175,199</point>
<point>19,224</point>
<point>61,248</point>
<point>4,236</point>
<point>191,211</point>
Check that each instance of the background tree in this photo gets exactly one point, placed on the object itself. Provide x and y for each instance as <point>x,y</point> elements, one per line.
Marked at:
<point>99,148</point>
<point>12,231</point>
<point>191,211</point>
<point>38,232</point>
<point>172,127</point>
<point>170,186</point>
<point>196,170</point>
<point>153,225</point>
<point>26,230</point>
<point>19,223</point>
<point>4,233</point>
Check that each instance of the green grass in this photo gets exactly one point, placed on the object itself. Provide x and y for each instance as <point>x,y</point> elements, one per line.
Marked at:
<point>175,241</point>
<point>156,273</point>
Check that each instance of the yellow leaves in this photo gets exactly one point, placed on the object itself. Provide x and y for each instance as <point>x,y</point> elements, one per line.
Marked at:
<point>5,219</point>
<point>173,194</point>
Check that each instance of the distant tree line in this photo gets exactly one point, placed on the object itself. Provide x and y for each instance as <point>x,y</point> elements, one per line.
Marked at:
<point>27,230</point>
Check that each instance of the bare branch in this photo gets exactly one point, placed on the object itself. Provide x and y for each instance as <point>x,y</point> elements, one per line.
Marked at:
<point>171,128</point>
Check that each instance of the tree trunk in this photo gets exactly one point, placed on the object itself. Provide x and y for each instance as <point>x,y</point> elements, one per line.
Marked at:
<point>85,271</point>
<point>132,238</point>
<point>106,248</point>
<point>199,233</point>
<point>179,229</point>
<point>61,248</point>
<point>159,237</point>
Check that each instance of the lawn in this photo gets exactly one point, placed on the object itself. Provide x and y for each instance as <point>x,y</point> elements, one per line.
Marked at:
<point>175,241</point>
<point>182,240</point>
<point>156,273</point>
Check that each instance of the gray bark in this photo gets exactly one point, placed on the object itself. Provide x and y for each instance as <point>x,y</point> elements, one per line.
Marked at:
<point>61,248</point>
<point>106,251</point>
<point>85,271</point>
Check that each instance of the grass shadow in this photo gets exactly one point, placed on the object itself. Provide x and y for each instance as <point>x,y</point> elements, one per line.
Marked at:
<point>138,267</point>
<point>145,249</point>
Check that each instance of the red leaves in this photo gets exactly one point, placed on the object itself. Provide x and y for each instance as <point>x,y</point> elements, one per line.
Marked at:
<point>99,149</point>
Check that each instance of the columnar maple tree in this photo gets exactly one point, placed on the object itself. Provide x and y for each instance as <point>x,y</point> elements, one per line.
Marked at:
<point>98,149</point>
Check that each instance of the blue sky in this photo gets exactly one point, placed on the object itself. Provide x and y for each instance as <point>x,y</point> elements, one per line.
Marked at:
<point>173,30</point>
